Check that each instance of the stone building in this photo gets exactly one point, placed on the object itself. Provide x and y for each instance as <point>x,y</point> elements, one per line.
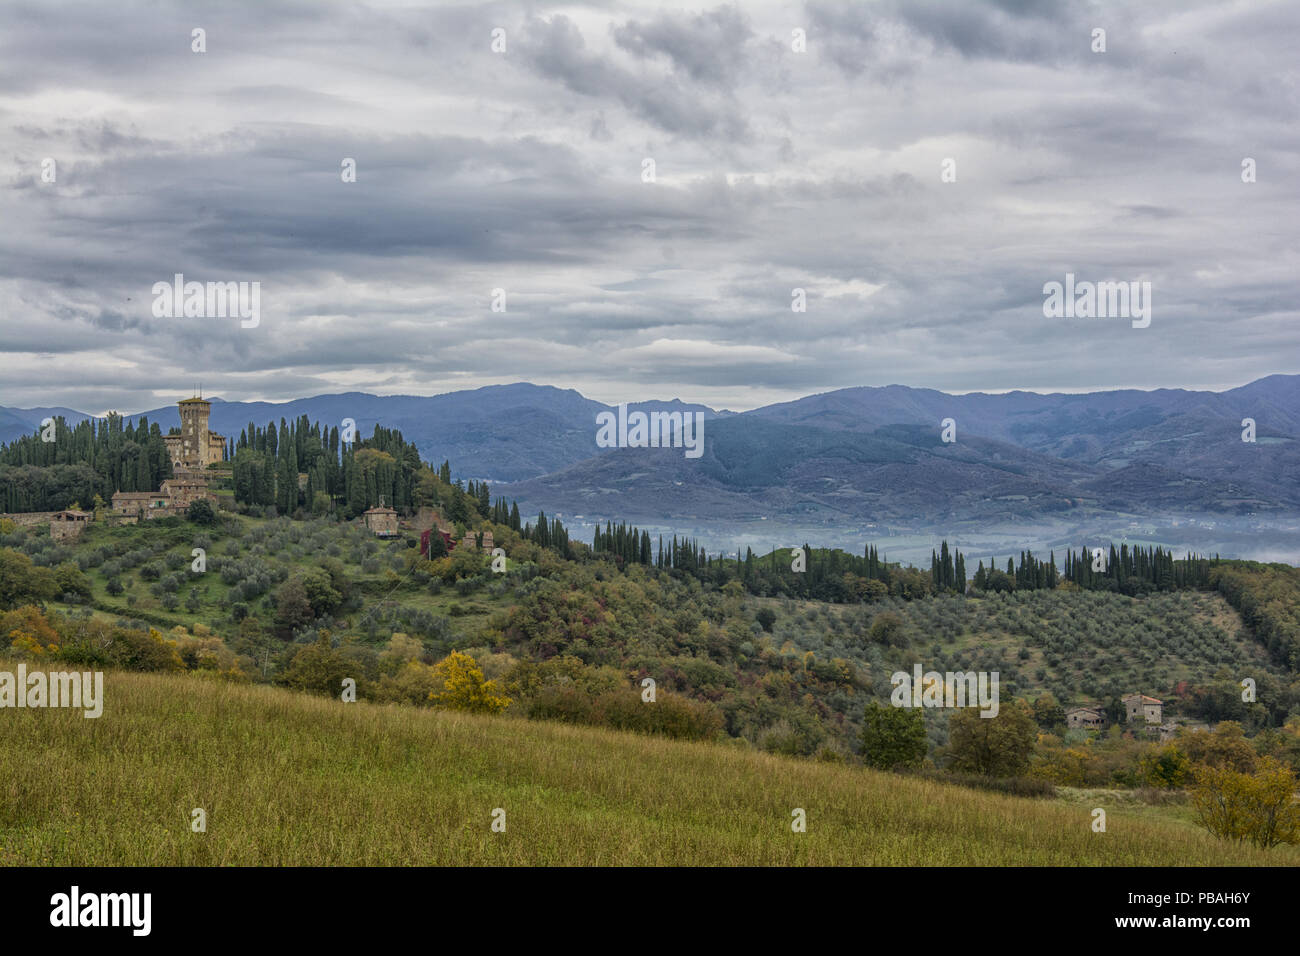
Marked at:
<point>382,522</point>
<point>181,491</point>
<point>471,540</point>
<point>142,504</point>
<point>1086,718</point>
<point>1141,707</point>
<point>29,519</point>
<point>68,525</point>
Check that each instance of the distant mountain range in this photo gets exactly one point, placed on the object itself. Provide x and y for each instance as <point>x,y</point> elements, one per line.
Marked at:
<point>876,455</point>
<point>856,455</point>
<point>501,432</point>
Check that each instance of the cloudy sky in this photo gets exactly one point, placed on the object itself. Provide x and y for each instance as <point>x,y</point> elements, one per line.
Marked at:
<point>522,170</point>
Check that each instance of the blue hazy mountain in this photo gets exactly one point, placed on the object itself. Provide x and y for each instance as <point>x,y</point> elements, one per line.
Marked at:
<point>871,454</point>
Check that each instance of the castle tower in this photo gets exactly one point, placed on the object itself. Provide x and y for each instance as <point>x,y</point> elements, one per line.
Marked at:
<point>195,446</point>
<point>194,432</point>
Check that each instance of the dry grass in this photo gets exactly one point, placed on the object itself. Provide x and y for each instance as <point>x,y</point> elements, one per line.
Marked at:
<point>289,779</point>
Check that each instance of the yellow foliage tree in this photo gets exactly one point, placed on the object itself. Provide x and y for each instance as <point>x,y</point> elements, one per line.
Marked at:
<point>161,654</point>
<point>463,686</point>
<point>29,632</point>
<point>1260,807</point>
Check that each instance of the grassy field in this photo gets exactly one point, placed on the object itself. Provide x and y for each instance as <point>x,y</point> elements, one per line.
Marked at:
<point>289,779</point>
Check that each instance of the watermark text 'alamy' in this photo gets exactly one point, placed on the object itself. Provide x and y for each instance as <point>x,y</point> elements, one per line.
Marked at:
<point>949,689</point>
<point>652,430</point>
<point>211,300</point>
<point>83,691</point>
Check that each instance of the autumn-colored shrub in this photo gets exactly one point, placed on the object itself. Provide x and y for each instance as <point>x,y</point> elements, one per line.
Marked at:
<point>1077,766</point>
<point>568,704</point>
<point>462,686</point>
<point>29,632</point>
<point>138,650</point>
<point>1166,768</point>
<point>318,667</point>
<point>1224,747</point>
<point>998,746</point>
<point>669,714</point>
<point>1258,807</point>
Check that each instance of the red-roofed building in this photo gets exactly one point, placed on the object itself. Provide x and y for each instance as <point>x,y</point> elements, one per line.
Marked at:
<point>1140,706</point>
<point>448,541</point>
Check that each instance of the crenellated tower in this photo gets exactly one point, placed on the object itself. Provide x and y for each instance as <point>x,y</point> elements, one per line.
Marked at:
<point>196,446</point>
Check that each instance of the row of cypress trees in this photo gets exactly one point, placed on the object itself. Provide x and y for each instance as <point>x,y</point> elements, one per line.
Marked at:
<point>93,457</point>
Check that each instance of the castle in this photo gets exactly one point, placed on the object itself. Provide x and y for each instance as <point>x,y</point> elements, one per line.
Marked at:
<point>192,450</point>
<point>195,447</point>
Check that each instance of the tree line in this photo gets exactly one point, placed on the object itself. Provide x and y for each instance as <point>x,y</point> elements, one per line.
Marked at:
<point>93,457</point>
<point>824,574</point>
<point>831,574</point>
<point>1130,571</point>
<point>1268,597</point>
<point>355,476</point>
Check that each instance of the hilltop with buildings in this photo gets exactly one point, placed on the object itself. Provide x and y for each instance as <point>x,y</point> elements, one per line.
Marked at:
<point>198,457</point>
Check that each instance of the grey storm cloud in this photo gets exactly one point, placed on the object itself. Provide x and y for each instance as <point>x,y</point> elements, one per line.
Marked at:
<point>522,171</point>
<point>556,50</point>
<point>709,48</point>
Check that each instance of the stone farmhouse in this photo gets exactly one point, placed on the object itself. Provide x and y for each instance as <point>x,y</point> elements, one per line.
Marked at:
<point>173,498</point>
<point>1087,718</point>
<point>381,521</point>
<point>68,525</point>
<point>64,525</point>
<point>1139,706</point>
<point>1146,712</point>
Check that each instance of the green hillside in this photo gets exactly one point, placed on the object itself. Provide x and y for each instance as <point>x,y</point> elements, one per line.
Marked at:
<point>786,675</point>
<point>292,779</point>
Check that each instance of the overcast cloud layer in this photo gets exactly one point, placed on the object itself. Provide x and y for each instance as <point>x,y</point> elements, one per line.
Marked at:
<point>522,170</point>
